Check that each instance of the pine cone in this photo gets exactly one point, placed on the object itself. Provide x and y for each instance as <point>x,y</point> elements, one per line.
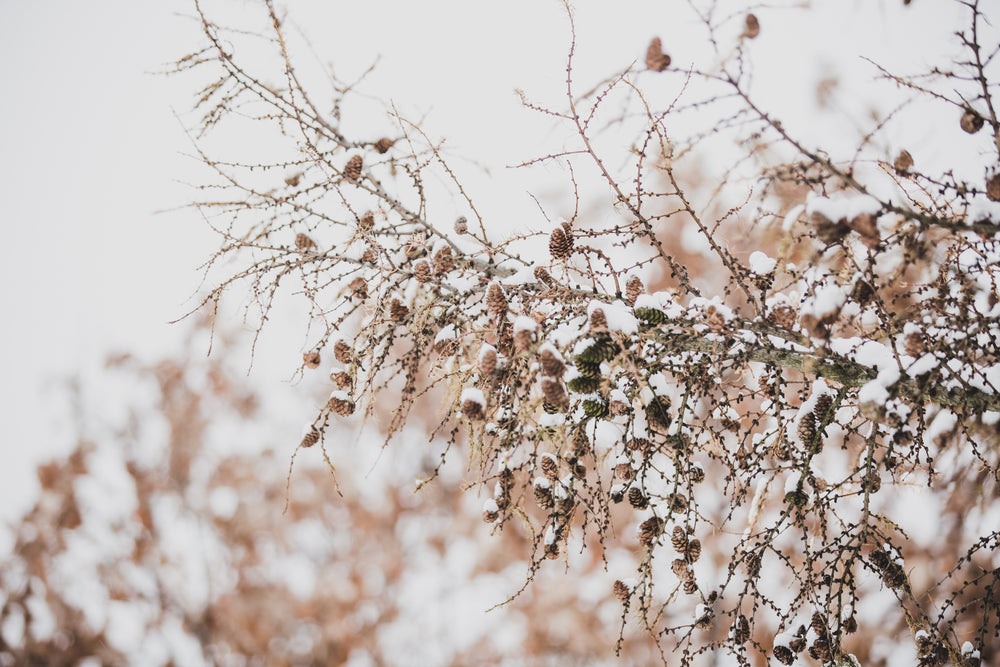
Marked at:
<point>903,162</point>
<point>690,587</point>
<point>383,145</point>
<point>552,365</point>
<point>914,344</point>
<point>342,353</point>
<point>311,359</point>
<point>621,591</point>
<point>352,170</point>
<point>310,438</point>
<point>971,121</point>
<point>649,530</point>
<point>636,499</point>
<point>751,27</point>
<point>560,243</point>
<point>303,243</point>
<point>823,404</point>
<point>807,429</point>
<point>679,539</point>
<point>656,59</point>
<point>784,655</point>
<point>341,406</point>
<point>366,222</point>
<point>550,467</point>
<point>633,288</point>
<point>715,320</point>
<point>488,361</point>
<point>693,551</point>
<point>783,316</point>
<point>993,187</point>
<point>741,630</point>
<point>496,300</point>
<point>422,270</point>
<point>359,289</point>
<point>472,409</point>
<point>543,496</point>
<point>461,225</point>
<point>341,379</point>
<point>598,321</point>
<point>443,260</point>
<point>397,311</point>
<point>543,276</point>
<point>523,338</point>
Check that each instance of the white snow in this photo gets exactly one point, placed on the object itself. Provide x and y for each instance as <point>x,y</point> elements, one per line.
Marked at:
<point>447,332</point>
<point>618,314</point>
<point>761,264</point>
<point>524,323</point>
<point>473,394</point>
<point>842,206</point>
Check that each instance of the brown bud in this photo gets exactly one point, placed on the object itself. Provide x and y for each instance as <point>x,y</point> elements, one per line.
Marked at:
<point>443,260</point>
<point>656,59</point>
<point>310,438</point>
<point>633,288</point>
<point>993,187</point>
<point>352,170</point>
<point>342,352</point>
<point>971,121</point>
<point>311,359</point>
<point>621,591</point>
<point>903,162</point>
<point>422,270</point>
<point>751,26</point>
<point>496,300</point>
<point>304,243</point>
<point>461,225</point>
<point>560,243</point>
<point>366,222</point>
<point>383,145</point>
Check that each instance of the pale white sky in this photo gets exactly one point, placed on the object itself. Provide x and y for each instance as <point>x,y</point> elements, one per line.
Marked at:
<point>90,149</point>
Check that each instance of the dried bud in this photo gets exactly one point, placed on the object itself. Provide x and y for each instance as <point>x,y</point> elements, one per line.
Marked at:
<point>383,145</point>
<point>751,26</point>
<point>488,361</point>
<point>783,315</point>
<point>341,379</point>
<point>971,121</point>
<point>993,187</point>
<point>550,467</point>
<point>543,276</point>
<point>292,180</point>
<point>621,591</point>
<point>311,359</point>
<point>342,352</point>
<point>310,438</point>
<point>366,222</point>
<point>649,530</point>
<point>690,587</point>
<point>633,288</point>
<point>914,344</point>
<point>598,320</point>
<point>340,404</point>
<point>359,289</point>
<point>656,59</point>
<point>560,243</point>
<point>636,499</point>
<point>551,364</point>
<point>397,311</point>
<point>461,225</point>
<point>784,655</point>
<point>422,270</point>
<point>443,260</point>
<point>496,300</point>
<point>304,243</point>
<point>903,162</point>
<point>352,170</point>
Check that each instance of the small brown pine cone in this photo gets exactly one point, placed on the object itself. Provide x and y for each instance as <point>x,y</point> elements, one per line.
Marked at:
<point>783,654</point>
<point>993,187</point>
<point>598,320</point>
<point>818,624</point>
<point>871,482</point>
<point>341,406</point>
<point>310,438</point>
<point>397,311</point>
<point>682,569</point>
<point>443,260</point>
<point>633,288</point>
<point>292,180</point>
<point>560,244</point>
<point>422,270</point>
<point>554,392</point>
<point>690,587</point>
<point>641,445</point>
<point>461,225</point>
<point>741,630</point>
<point>850,625</point>
<point>543,496</point>
<point>304,243</point>
<point>866,225</point>
<point>693,551</point>
<point>581,443</point>
<point>366,222</point>
<point>971,121</point>
<point>543,276</point>
<point>658,413</point>
<point>621,591</point>
<point>506,480</point>
<point>368,255</point>
<point>359,289</point>
<point>618,408</point>
<point>341,379</point>
<point>472,409</point>
<point>696,474</point>
<point>489,516</point>
<point>523,338</point>
<point>624,471</point>
<point>649,530</point>
<point>552,551</point>
<point>783,315</point>
<point>656,59</point>
<point>311,359</point>
<point>636,499</point>
<point>551,365</point>
<point>383,145</point>
<point>550,467</point>
<point>715,320</point>
<point>914,344</point>
<point>352,170</point>
<point>751,26</point>
<point>903,162</point>
<point>753,565</point>
<point>799,643</point>
<point>679,539</point>
<point>496,300</point>
<point>823,404</point>
<point>807,429</point>
<point>820,650</point>
<point>342,353</point>
<point>678,502</point>
<point>488,361</point>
